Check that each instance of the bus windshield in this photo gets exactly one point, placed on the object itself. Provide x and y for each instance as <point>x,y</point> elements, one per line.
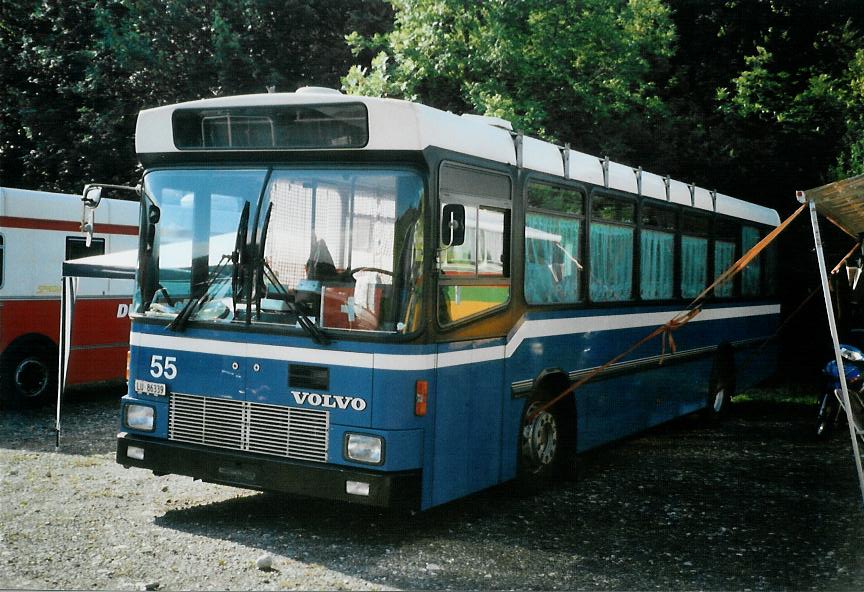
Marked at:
<point>342,249</point>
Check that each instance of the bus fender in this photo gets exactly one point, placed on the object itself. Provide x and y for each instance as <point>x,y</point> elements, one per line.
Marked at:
<point>550,383</point>
<point>721,383</point>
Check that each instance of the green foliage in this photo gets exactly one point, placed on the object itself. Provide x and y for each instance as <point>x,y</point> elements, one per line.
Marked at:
<point>561,70</point>
<point>850,161</point>
<point>755,97</point>
<point>734,94</point>
<point>75,74</point>
<point>798,84</point>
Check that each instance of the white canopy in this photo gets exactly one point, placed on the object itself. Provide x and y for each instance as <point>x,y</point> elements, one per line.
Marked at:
<point>841,202</point>
<point>120,265</point>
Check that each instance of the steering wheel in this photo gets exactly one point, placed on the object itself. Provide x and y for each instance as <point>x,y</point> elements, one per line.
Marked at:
<point>213,310</point>
<point>351,272</point>
<point>168,299</point>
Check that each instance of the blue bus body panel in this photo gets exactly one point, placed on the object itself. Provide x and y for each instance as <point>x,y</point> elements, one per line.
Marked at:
<point>469,438</point>
<point>257,371</point>
<point>468,411</point>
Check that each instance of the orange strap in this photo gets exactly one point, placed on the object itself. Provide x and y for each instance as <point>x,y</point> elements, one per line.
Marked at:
<point>845,258</point>
<point>795,312</point>
<point>679,320</point>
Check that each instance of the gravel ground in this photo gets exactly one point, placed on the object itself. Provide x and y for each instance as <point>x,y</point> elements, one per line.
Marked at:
<point>752,504</point>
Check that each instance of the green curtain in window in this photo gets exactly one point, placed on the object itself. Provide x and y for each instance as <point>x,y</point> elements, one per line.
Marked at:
<point>552,259</point>
<point>657,264</point>
<point>694,265</point>
<point>611,262</point>
<point>724,256</point>
<point>750,276</point>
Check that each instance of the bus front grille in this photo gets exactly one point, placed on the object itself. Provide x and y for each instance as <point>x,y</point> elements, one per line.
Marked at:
<point>289,432</point>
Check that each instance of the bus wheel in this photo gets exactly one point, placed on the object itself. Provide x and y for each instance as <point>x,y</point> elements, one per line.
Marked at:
<point>28,375</point>
<point>540,441</point>
<point>721,386</point>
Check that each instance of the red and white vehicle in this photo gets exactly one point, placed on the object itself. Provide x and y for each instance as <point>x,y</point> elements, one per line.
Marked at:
<point>38,231</point>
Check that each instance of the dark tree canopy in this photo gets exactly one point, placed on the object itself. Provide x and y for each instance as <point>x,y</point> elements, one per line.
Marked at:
<point>75,74</point>
<point>752,97</point>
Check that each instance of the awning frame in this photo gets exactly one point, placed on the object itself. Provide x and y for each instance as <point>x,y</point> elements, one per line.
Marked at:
<point>843,204</point>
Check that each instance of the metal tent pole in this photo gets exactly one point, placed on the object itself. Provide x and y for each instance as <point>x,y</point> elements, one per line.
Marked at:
<point>67,306</point>
<point>832,325</point>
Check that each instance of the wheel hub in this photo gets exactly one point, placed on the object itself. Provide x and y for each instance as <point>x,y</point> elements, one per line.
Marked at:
<point>539,438</point>
<point>31,377</point>
<point>719,400</point>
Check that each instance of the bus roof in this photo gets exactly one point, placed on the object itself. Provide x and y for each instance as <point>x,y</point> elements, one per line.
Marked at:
<point>397,125</point>
<point>47,205</point>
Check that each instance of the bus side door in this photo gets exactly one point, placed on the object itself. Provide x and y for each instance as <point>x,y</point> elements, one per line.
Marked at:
<point>468,408</point>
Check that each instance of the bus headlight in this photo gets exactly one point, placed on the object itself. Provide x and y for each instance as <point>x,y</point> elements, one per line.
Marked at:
<point>364,448</point>
<point>140,417</point>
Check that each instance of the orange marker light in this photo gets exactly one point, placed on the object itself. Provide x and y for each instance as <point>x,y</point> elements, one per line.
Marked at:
<point>128,361</point>
<point>421,395</point>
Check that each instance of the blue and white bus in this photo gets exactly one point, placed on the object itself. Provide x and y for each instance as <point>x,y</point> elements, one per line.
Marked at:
<point>368,299</point>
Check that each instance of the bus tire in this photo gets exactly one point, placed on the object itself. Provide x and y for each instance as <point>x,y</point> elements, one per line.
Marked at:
<point>28,373</point>
<point>546,441</point>
<point>721,385</point>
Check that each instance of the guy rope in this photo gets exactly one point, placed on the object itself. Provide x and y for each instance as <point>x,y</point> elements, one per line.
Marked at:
<point>665,331</point>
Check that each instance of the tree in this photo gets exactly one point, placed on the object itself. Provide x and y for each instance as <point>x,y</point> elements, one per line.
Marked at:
<point>792,103</point>
<point>75,74</point>
<point>45,56</point>
<point>566,71</point>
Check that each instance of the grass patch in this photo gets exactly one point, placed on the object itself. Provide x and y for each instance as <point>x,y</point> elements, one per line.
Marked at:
<point>786,394</point>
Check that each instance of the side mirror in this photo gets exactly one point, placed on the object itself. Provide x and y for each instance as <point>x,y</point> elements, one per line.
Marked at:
<point>153,216</point>
<point>453,225</point>
<point>92,195</point>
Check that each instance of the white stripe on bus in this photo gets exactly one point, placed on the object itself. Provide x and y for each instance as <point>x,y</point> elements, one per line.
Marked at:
<point>413,362</point>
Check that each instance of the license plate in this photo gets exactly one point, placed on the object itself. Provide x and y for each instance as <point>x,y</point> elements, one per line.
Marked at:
<point>150,388</point>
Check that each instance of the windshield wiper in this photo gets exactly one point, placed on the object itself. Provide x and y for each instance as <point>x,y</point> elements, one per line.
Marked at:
<point>182,319</point>
<point>264,271</point>
<point>238,259</point>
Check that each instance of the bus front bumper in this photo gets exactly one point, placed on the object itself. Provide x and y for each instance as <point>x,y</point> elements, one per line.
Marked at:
<point>265,473</point>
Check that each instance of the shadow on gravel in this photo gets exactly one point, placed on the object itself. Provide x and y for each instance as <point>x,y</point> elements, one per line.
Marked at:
<point>752,503</point>
<point>89,419</point>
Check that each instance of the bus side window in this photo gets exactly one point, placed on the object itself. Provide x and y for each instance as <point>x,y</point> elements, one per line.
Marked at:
<point>474,277</point>
<point>751,276</point>
<point>657,253</point>
<point>76,247</point>
<point>694,254</point>
<point>611,241</point>
<point>724,256</point>
<point>771,271</point>
<point>553,238</point>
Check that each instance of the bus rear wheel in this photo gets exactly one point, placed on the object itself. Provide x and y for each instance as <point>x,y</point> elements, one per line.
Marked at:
<point>540,441</point>
<point>721,384</point>
<point>28,375</point>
